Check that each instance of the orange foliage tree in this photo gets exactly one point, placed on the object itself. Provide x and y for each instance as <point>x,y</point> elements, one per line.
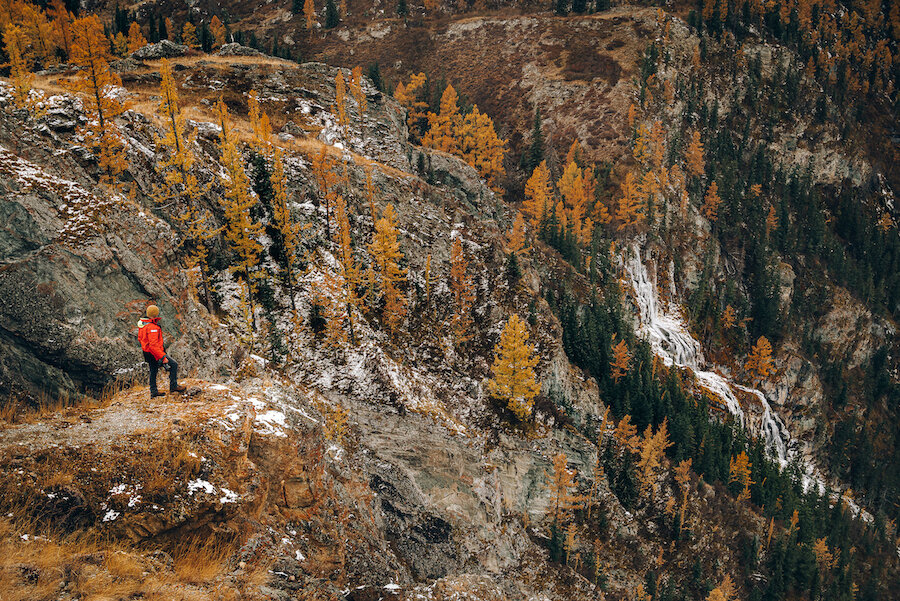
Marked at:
<point>621,361</point>
<point>711,202</point>
<point>218,31</point>
<point>693,156</point>
<point>463,292</point>
<point>653,448</point>
<point>739,469</point>
<point>96,84</point>
<point>760,363</point>
<point>538,195</point>
<point>136,39</point>
<point>386,254</point>
<point>513,380</point>
<point>630,210</point>
<point>442,127</point>
<point>516,243</point>
<point>560,484</point>
<point>481,148</point>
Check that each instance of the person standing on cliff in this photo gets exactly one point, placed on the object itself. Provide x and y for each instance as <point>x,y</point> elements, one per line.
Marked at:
<point>150,335</point>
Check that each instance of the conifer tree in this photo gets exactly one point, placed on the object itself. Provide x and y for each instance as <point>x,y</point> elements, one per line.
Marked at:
<point>759,363</point>
<point>241,232</point>
<point>442,128</point>
<point>19,75</point>
<point>95,83</point>
<point>729,318</point>
<point>332,16</point>
<point>259,124</point>
<point>560,483</point>
<point>630,207</point>
<point>626,435</point>
<point>386,256</point>
<point>516,243</point>
<point>534,155</point>
<point>693,156</point>
<point>480,147</point>
<point>290,231</point>
<point>653,448</point>
<point>165,26</point>
<point>136,39</point>
<point>463,292</point>
<point>120,44</point>
<point>349,270</point>
<point>309,11</point>
<point>340,99</point>
<point>217,29</point>
<point>323,166</point>
<point>62,25</point>
<point>189,35</point>
<point>711,202</point>
<point>408,97</point>
<point>39,31</point>
<point>538,195</point>
<point>356,91</point>
<point>739,473</point>
<point>683,478</point>
<point>513,379</point>
<point>621,361</point>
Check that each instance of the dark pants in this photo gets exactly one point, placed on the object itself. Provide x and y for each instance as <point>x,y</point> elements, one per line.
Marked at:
<point>154,369</point>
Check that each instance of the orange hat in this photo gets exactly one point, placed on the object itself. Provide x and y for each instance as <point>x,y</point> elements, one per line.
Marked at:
<point>152,311</point>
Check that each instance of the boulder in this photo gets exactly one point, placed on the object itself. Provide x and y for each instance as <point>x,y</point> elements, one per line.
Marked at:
<point>235,49</point>
<point>163,49</point>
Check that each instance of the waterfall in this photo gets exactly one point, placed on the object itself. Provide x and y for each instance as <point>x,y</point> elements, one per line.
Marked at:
<point>664,328</point>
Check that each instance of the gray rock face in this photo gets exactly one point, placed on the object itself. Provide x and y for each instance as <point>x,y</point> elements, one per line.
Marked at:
<point>235,49</point>
<point>163,49</point>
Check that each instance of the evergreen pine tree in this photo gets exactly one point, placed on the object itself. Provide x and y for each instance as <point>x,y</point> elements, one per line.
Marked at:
<point>332,16</point>
<point>163,30</point>
<point>154,33</point>
<point>402,8</point>
<point>375,77</point>
<point>562,7</point>
<point>535,152</point>
<point>297,7</point>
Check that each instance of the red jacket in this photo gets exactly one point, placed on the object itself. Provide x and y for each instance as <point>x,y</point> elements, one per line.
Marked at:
<point>150,335</point>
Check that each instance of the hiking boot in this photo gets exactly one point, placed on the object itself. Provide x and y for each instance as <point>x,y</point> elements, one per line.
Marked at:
<point>153,395</point>
<point>179,388</point>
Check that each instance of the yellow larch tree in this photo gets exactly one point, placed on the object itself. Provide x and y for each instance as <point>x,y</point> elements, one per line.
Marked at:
<point>626,435</point>
<point>711,202</point>
<point>340,99</point>
<point>575,190</point>
<point>683,478</point>
<point>189,35</point>
<point>259,124</point>
<point>180,184</point>
<point>62,24</point>
<point>825,558</point>
<point>119,44</point>
<point>693,156</point>
<point>291,231</point>
<point>442,128</point>
<point>760,363</point>
<point>630,209</point>
<point>739,470</point>
<point>218,31</point>
<point>95,83</point>
<point>643,149</point>
<point>356,91</point>
<point>560,484</point>
<point>386,256</point>
<point>513,380</point>
<point>771,220</point>
<point>723,592</point>
<point>658,145</point>
<point>19,75</point>
<point>350,273</point>
<point>479,146</point>
<point>729,318</point>
<point>136,39</point>
<point>653,448</point>
<point>538,195</point>
<point>39,31</point>
<point>323,168</point>
<point>621,361</point>
<point>408,97</point>
<point>241,232</point>
<point>463,291</point>
<point>516,243</point>
<point>632,115</point>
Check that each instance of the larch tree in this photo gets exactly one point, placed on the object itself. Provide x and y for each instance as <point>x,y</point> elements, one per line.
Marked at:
<point>119,44</point>
<point>241,232</point>
<point>463,292</point>
<point>729,318</point>
<point>62,25</point>
<point>323,167</point>
<point>771,220</point>
<point>643,150</point>
<point>561,484</point>
<point>96,84</point>
<point>180,184</point>
<point>309,12</point>
<point>683,478</point>
<point>516,243</point>
<point>626,435</point>
<point>653,448</point>
<point>739,470</point>
<point>218,31</point>
<point>259,124</point>
<point>19,74</point>
<point>538,195</point>
<point>723,592</point>
<point>711,202</point>
<point>479,146</point>
<point>572,187</point>
<point>386,256</point>
<point>513,380</point>
<point>39,31</point>
<point>621,361</point>
<point>291,231</point>
<point>350,273</point>
<point>340,99</point>
<point>630,209</point>
<point>189,35</point>
<point>356,90</point>
<point>760,363</point>
<point>693,156</point>
<point>136,39</point>
<point>442,128</point>
<point>409,98</point>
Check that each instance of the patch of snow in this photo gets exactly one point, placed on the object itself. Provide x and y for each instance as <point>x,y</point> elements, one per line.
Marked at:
<point>111,515</point>
<point>200,484</point>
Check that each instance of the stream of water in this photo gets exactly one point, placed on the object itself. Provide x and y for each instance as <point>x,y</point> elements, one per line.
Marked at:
<point>664,328</point>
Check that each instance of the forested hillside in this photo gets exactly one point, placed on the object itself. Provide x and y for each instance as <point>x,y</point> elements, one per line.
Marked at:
<point>477,301</point>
